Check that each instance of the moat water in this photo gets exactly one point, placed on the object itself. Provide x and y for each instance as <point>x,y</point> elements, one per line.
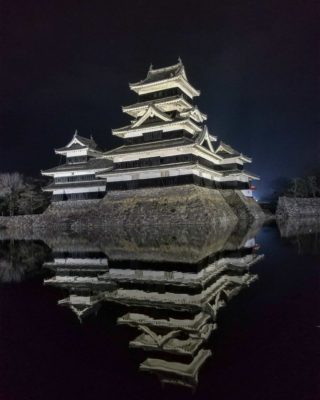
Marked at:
<point>162,313</point>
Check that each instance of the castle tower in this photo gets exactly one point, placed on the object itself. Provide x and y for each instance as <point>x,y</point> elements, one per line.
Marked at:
<point>168,142</point>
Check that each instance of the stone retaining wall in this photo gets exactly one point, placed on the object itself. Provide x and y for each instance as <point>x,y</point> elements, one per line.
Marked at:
<point>245,208</point>
<point>298,207</point>
<point>187,204</point>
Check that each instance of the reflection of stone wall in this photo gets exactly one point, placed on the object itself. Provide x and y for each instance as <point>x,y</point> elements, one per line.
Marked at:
<point>298,207</point>
<point>21,225</point>
<point>298,226</point>
<point>183,243</point>
<point>301,233</point>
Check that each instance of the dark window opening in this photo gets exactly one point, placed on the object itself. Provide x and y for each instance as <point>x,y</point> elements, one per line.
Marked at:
<point>162,94</point>
<point>78,196</point>
<point>150,136</point>
<point>79,159</point>
<point>75,178</point>
<point>175,181</point>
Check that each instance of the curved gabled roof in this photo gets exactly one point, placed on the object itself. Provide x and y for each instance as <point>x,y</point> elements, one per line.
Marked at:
<point>227,151</point>
<point>158,78</point>
<point>205,137</point>
<point>160,74</point>
<point>78,142</point>
<point>152,111</point>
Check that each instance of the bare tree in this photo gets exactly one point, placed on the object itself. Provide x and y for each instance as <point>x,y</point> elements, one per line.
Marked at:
<point>293,189</point>
<point>312,185</point>
<point>32,200</point>
<point>298,188</point>
<point>11,184</point>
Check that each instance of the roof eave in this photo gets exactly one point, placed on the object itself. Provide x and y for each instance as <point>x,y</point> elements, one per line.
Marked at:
<point>192,89</point>
<point>62,152</point>
<point>136,87</point>
<point>252,176</point>
<point>245,158</point>
<point>122,131</point>
<point>47,173</point>
<point>57,151</point>
<point>199,147</point>
<point>135,108</point>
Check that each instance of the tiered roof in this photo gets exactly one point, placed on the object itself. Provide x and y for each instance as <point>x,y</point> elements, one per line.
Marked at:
<point>167,114</point>
<point>163,113</point>
<point>166,125</point>
<point>164,78</point>
<point>77,175</point>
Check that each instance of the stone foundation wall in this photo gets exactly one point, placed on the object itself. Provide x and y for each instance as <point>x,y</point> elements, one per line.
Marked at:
<point>188,204</point>
<point>298,207</point>
<point>245,208</point>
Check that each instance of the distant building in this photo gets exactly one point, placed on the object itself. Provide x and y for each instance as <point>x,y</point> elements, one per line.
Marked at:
<point>166,143</point>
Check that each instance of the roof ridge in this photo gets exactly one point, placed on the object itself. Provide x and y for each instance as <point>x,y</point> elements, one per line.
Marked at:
<point>168,68</point>
<point>91,139</point>
<point>86,141</point>
<point>163,73</point>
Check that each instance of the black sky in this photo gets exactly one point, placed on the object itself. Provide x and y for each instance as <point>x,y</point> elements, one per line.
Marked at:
<point>66,65</point>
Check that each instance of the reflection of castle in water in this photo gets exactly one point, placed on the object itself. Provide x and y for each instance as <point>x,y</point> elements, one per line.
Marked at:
<point>173,297</point>
<point>302,233</point>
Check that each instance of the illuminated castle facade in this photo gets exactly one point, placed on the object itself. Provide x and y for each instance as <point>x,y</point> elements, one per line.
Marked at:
<point>167,143</point>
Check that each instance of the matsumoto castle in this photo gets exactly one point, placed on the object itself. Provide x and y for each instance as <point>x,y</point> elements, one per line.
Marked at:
<point>167,143</point>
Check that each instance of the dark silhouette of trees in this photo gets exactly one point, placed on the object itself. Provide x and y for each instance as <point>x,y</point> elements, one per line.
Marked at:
<point>308,186</point>
<point>304,187</point>
<point>11,185</point>
<point>21,195</point>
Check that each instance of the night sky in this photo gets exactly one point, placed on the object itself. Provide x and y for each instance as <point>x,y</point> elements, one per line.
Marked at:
<point>66,66</point>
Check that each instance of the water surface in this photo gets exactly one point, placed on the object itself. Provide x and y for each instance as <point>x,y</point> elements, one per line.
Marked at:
<point>161,313</point>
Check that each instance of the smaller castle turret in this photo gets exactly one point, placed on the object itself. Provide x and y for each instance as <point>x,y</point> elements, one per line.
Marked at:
<point>75,179</point>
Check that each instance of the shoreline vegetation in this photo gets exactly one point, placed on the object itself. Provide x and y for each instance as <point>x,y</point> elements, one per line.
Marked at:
<point>21,195</point>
